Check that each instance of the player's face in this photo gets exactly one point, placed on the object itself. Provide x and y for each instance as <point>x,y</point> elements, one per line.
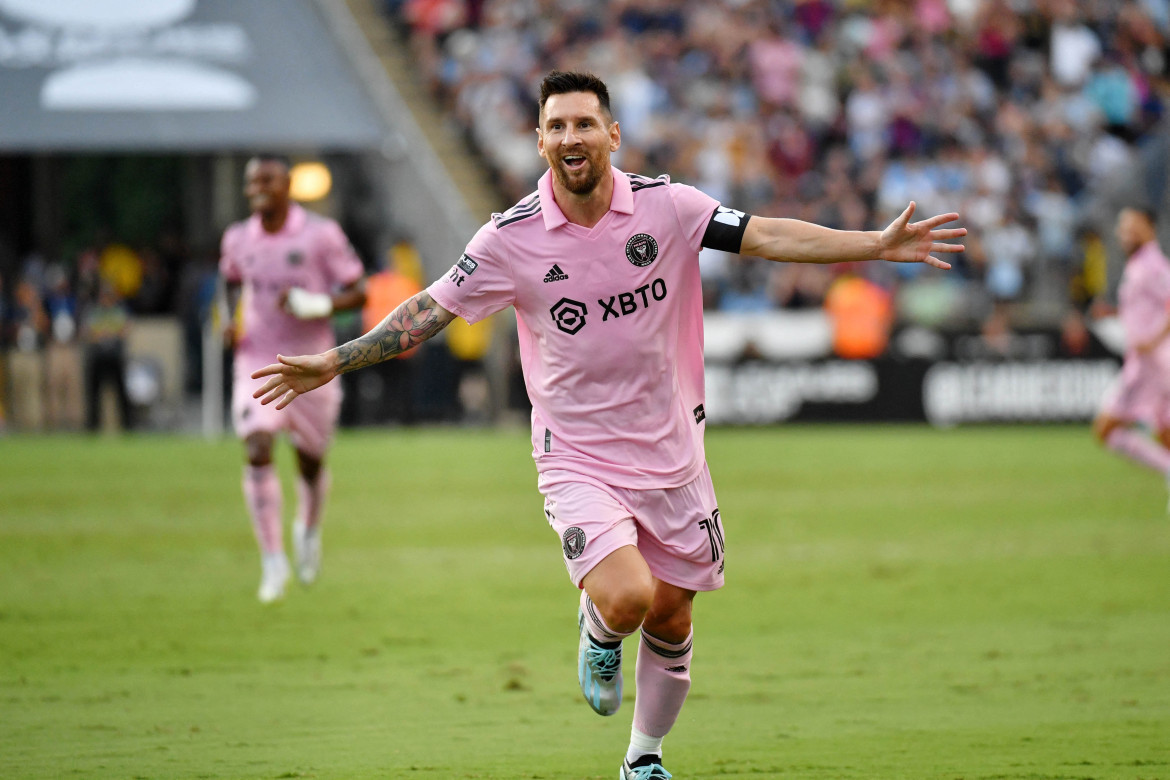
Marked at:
<point>1132,230</point>
<point>266,184</point>
<point>576,139</point>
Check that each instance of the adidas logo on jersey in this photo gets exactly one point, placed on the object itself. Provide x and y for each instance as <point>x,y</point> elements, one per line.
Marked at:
<point>555,274</point>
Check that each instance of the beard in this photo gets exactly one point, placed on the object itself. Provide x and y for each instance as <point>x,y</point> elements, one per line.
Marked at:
<point>580,182</point>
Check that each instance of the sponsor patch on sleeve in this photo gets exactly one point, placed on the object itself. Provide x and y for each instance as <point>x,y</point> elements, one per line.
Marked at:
<point>467,264</point>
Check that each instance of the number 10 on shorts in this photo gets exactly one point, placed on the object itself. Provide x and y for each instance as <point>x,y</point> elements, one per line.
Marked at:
<point>714,534</point>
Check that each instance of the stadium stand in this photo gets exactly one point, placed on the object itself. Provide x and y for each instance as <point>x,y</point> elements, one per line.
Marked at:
<point>1013,112</point>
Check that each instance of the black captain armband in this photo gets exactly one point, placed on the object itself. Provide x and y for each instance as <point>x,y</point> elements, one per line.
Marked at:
<point>725,230</point>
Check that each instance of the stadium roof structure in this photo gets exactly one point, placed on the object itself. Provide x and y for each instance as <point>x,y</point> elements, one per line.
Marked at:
<point>177,75</point>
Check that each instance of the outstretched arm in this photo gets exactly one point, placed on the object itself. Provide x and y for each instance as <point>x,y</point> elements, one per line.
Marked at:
<point>902,241</point>
<point>412,323</point>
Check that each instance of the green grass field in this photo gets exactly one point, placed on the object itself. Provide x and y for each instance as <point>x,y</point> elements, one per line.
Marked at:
<point>900,603</point>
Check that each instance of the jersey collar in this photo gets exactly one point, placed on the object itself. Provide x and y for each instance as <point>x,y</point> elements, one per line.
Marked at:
<point>1151,248</point>
<point>292,224</point>
<point>622,199</point>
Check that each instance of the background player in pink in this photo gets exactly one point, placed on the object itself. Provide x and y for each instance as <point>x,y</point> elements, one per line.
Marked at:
<point>288,270</point>
<point>602,269</point>
<point>1141,395</point>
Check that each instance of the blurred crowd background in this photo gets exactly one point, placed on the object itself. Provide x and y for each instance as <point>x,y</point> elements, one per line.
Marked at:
<point>1032,118</point>
<point>1012,112</point>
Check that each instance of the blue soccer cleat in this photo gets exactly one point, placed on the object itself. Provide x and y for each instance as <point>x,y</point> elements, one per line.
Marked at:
<point>599,670</point>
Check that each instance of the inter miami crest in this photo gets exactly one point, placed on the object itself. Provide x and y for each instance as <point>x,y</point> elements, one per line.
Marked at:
<point>573,540</point>
<point>641,249</point>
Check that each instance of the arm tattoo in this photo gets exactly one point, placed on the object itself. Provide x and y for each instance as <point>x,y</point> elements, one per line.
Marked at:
<point>412,323</point>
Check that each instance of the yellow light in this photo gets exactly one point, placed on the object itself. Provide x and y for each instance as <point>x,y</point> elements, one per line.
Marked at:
<point>310,181</point>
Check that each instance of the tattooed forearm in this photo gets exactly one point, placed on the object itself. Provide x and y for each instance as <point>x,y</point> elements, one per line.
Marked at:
<point>412,323</point>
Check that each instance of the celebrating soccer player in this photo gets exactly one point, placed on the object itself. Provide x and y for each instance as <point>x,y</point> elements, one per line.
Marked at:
<point>293,269</point>
<point>602,269</point>
<point>1141,395</point>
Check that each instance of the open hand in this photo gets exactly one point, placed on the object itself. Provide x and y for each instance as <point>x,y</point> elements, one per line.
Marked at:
<point>293,376</point>
<point>913,242</point>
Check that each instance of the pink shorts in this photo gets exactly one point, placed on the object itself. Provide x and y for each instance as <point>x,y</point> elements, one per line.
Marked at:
<point>310,420</point>
<point>1139,394</point>
<point>677,530</point>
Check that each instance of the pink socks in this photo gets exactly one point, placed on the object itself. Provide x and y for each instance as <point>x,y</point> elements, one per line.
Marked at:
<point>263,499</point>
<point>663,677</point>
<point>1137,446</point>
<point>311,498</point>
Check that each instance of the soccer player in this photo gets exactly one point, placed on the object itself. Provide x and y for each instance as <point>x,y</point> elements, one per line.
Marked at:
<point>1141,395</point>
<point>602,269</point>
<point>293,269</point>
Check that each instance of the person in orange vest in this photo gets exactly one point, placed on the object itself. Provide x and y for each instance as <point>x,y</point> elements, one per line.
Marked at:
<point>862,314</point>
<point>402,275</point>
<point>393,381</point>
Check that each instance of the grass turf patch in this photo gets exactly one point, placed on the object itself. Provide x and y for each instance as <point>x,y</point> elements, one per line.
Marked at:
<point>900,602</point>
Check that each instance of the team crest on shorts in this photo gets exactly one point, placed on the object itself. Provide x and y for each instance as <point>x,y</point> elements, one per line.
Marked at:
<point>573,541</point>
<point>641,249</point>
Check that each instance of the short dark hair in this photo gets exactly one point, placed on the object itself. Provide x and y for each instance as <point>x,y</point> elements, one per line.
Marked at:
<point>280,159</point>
<point>1145,210</point>
<point>558,82</point>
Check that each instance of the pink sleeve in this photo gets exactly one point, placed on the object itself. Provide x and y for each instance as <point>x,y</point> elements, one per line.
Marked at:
<point>1144,314</point>
<point>1158,289</point>
<point>342,265</point>
<point>229,262</point>
<point>694,209</point>
<point>480,283</point>
<point>1160,283</point>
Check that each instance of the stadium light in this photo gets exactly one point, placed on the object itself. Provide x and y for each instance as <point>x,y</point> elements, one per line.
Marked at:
<point>310,181</point>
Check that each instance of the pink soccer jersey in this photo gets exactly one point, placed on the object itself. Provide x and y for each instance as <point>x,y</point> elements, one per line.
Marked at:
<point>610,322</point>
<point>1143,297</point>
<point>310,252</point>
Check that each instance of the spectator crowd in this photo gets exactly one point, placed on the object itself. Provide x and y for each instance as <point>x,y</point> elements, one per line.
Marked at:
<point>64,329</point>
<point>1012,112</point>
<point>1016,113</point>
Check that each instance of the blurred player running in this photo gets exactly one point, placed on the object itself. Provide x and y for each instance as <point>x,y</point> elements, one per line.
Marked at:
<point>602,269</point>
<point>293,269</point>
<point>1141,395</point>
